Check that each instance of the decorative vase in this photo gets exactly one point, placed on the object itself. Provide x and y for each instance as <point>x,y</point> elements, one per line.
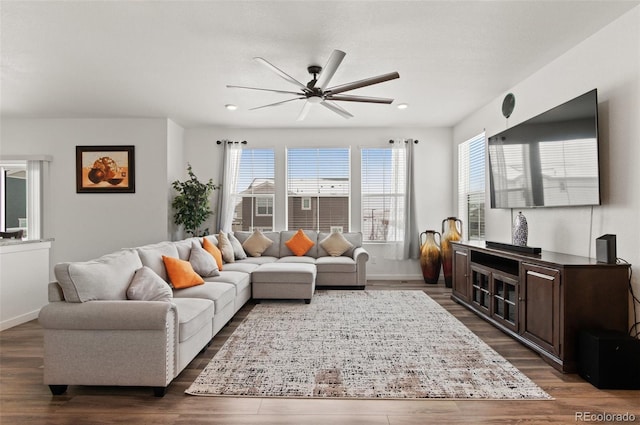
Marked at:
<point>430,258</point>
<point>520,230</point>
<point>451,232</point>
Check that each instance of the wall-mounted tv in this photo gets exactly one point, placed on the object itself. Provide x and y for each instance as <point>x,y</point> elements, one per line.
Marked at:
<point>550,160</point>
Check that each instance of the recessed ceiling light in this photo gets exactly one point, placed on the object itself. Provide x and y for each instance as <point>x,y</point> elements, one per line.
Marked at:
<point>403,106</point>
<point>231,107</point>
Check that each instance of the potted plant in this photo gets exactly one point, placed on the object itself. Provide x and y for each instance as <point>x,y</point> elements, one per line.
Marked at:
<point>191,204</point>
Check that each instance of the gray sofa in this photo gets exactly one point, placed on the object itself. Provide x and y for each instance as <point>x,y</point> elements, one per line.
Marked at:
<point>95,335</point>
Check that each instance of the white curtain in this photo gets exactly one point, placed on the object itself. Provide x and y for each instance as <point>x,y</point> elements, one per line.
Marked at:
<point>227,198</point>
<point>402,231</point>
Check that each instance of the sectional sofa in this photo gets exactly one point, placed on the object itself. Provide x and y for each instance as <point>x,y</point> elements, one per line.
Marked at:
<point>120,320</point>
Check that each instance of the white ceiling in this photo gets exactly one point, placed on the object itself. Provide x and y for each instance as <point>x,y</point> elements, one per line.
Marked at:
<point>174,59</point>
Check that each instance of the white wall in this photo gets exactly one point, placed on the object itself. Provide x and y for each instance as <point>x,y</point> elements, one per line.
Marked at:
<point>608,61</point>
<point>86,226</point>
<point>434,195</point>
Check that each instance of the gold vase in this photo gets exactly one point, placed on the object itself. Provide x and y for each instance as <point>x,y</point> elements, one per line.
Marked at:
<point>430,258</point>
<point>451,232</point>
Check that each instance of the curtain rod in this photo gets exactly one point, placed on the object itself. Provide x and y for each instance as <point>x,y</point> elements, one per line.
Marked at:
<point>229,142</point>
<point>405,140</point>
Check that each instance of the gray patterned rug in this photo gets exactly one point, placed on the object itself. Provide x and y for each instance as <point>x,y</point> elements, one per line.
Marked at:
<point>360,344</point>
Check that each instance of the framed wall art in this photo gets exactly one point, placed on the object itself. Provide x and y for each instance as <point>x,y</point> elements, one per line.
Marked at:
<point>105,169</point>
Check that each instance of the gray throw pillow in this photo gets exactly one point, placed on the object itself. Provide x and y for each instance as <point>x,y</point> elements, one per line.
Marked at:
<point>257,243</point>
<point>202,262</point>
<point>238,250</point>
<point>336,244</point>
<point>146,285</point>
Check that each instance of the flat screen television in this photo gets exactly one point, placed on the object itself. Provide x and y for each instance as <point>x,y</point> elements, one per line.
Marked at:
<point>550,160</point>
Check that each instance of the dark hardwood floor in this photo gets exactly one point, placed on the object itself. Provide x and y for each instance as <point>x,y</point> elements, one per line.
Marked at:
<point>25,400</point>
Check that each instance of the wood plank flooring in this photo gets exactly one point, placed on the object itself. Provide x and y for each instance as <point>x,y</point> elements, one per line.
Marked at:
<point>25,400</point>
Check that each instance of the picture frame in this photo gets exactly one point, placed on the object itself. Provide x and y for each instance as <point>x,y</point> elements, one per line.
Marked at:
<point>105,169</point>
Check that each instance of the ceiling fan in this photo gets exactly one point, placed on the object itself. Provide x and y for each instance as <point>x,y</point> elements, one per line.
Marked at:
<point>316,91</point>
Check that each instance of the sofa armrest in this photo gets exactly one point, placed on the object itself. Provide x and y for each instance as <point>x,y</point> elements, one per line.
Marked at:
<point>106,315</point>
<point>360,254</point>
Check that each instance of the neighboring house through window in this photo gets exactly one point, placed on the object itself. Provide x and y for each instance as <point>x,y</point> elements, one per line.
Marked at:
<point>255,191</point>
<point>318,188</point>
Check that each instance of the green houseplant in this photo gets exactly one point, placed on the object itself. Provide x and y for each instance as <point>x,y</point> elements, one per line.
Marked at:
<point>191,204</point>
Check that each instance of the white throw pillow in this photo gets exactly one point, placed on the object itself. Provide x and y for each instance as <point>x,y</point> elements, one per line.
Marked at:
<point>202,262</point>
<point>256,244</point>
<point>146,285</point>
<point>225,247</point>
<point>336,244</point>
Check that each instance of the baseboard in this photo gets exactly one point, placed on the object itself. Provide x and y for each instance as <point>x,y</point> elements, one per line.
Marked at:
<point>381,276</point>
<point>18,320</point>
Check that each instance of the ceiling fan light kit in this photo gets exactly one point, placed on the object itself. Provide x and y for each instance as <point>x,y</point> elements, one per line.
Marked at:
<point>316,91</point>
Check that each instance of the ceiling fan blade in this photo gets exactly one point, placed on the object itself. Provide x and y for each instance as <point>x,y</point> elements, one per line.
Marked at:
<point>363,83</point>
<point>281,73</point>
<point>352,98</point>
<point>329,69</point>
<point>305,110</point>
<point>271,90</point>
<point>337,109</point>
<point>275,104</point>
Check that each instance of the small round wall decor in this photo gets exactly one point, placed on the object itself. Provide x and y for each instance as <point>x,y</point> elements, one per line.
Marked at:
<point>508,104</point>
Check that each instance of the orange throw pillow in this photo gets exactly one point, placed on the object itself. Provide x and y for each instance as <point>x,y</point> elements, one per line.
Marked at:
<point>300,243</point>
<point>213,250</point>
<point>180,272</point>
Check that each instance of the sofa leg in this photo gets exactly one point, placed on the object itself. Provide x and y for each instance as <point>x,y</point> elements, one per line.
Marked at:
<point>159,391</point>
<point>307,301</point>
<point>58,389</point>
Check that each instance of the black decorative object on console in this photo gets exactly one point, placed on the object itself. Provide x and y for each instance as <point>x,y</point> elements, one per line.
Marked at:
<point>516,248</point>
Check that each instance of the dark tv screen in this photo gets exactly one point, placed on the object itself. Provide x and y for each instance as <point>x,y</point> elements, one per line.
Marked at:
<point>550,160</point>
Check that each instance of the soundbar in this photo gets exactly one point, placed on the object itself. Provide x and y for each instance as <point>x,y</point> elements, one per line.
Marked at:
<point>515,248</point>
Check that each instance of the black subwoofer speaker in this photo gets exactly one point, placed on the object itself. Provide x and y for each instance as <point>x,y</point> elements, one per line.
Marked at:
<point>606,249</point>
<point>609,359</point>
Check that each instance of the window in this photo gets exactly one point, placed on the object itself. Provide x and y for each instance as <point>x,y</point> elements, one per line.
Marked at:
<point>471,181</point>
<point>255,191</point>
<point>318,188</point>
<point>21,184</point>
<point>383,192</point>
<point>264,206</point>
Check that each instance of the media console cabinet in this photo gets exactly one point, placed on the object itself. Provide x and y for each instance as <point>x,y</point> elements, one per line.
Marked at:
<point>542,300</point>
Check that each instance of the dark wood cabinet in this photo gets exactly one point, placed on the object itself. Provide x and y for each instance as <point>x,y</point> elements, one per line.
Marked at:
<point>541,300</point>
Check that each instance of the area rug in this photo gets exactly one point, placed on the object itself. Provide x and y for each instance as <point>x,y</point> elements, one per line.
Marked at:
<point>360,344</point>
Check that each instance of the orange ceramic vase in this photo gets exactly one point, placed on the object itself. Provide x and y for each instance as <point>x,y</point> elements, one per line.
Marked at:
<point>430,258</point>
<point>451,232</point>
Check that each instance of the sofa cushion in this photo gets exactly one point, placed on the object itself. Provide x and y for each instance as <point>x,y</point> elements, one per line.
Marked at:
<point>241,266</point>
<point>213,250</point>
<point>180,272</point>
<point>146,285</point>
<point>259,260</point>
<point>202,262</point>
<point>355,238</point>
<point>294,259</point>
<point>193,315</point>
<point>299,243</point>
<point>224,245</point>
<point>256,244</point>
<point>151,256</point>
<point>238,279</point>
<point>238,250</point>
<point>105,278</point>
<point>336,265</point>
<point>220,293</point>
<point>335,244</point>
